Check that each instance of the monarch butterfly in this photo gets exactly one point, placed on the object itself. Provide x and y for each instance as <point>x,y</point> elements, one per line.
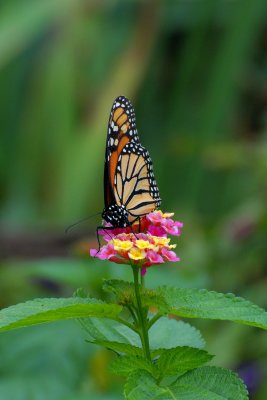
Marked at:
<point>130,189</point>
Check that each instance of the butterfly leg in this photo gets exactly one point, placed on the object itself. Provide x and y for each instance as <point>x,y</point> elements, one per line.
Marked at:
<point>98,240</point>
<point>131,227</point>
<point>104,228</point>
<point>139,224</point>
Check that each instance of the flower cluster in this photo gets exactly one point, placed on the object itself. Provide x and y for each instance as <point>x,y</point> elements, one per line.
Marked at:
<point>144,243</point>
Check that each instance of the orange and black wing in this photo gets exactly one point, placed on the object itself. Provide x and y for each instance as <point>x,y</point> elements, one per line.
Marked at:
<point>128,178</point>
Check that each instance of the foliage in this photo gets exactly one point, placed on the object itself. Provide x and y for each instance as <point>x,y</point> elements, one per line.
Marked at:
<point>148,367</point>
<point>47,310</point>
<point>43,361</point>
<point>204,383</point>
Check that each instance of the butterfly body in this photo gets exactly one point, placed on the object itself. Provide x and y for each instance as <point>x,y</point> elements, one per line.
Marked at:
<point>130,188</point>
<point>116,215</point>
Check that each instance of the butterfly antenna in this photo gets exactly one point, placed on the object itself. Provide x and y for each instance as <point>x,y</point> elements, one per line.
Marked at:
<point>80,221</point>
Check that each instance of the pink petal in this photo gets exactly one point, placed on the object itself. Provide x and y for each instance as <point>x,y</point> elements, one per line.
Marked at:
<point>156,230</point>
<point>93,252</point>
<point>170,227</point>
<point>106,252</point>
<point>142,236</point>
<point>108,237</point>
<point>169,255</point>
<point>143,271</point>
<point>118,260</point>
<point>155,217</point>
<point>154,257</point>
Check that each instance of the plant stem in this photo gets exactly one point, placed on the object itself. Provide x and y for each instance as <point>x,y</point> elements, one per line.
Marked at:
<point>142,281</point>
<point>132,314</point>
<point>126,323</point>
<point>154,319</point>
<point>142,318</point>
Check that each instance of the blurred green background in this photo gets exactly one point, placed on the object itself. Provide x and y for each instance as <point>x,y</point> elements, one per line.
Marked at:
<point>196,72</point>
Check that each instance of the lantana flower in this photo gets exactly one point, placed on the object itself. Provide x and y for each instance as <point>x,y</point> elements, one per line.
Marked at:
<point>145,243</point>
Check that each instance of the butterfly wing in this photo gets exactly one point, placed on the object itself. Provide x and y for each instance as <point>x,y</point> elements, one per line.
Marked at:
<point>128,179</point>
<point>121,131</point>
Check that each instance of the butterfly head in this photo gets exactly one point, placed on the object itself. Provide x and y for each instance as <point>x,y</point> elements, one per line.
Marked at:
<point>116,215</point>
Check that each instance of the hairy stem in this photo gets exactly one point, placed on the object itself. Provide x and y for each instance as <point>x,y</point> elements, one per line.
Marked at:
<point>126,323</point>
<point>132,312</point>
<point>154,319</point>
<point>141,315</point>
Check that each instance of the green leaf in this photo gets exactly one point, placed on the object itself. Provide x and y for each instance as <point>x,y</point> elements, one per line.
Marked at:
<point>43,362</point>
<point>122,348</point>
<point>109,330</point>
<point>209,383</point>
<point>195,303</point>
<point>125,365</point>
<point>181,359</point>
<point>168,333</point>
<point>117,286</point>
<point>94,396</point>
<point>124,292</point>
<point>171,362</point>
<point>142,385</point>
<point>213,382</point>
<point>47,310</point>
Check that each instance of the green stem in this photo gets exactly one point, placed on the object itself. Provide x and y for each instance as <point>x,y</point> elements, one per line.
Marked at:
<point>126,323</point>
<point>132,314</point>
<point>142,281</point>
<point>154,319</point>
<point>142,318</point>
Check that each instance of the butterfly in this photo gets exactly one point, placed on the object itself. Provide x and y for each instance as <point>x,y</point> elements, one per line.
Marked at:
<point>130,189</point>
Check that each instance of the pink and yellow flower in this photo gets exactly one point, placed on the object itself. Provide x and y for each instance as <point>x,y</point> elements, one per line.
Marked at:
<point>144,243</point>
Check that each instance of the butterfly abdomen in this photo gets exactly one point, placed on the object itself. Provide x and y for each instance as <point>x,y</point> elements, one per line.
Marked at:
<point>116,215</point>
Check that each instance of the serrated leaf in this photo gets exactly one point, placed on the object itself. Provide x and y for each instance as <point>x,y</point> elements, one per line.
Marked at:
<point>216,383</point>
<point>209,383</point>
<point>125,365</point>
<point>171,362</point>
<point>40,311</point>
<point>195,303</point>
<point>122,348</point>
<point>168,333</point>
<point>142,385</point>
<point>124,292</point>
<point>109,330</point>
<point>117,286</point>
<point>181,359</point>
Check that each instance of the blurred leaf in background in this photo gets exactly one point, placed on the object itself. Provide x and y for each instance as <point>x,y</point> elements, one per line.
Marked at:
<point>196,74</point>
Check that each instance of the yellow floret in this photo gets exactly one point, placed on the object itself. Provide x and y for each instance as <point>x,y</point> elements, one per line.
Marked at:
<point>143,244</point>
<point>161,240</point>
<point>122,245</point>
<point>136,254</point>
<point>167,215</point>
